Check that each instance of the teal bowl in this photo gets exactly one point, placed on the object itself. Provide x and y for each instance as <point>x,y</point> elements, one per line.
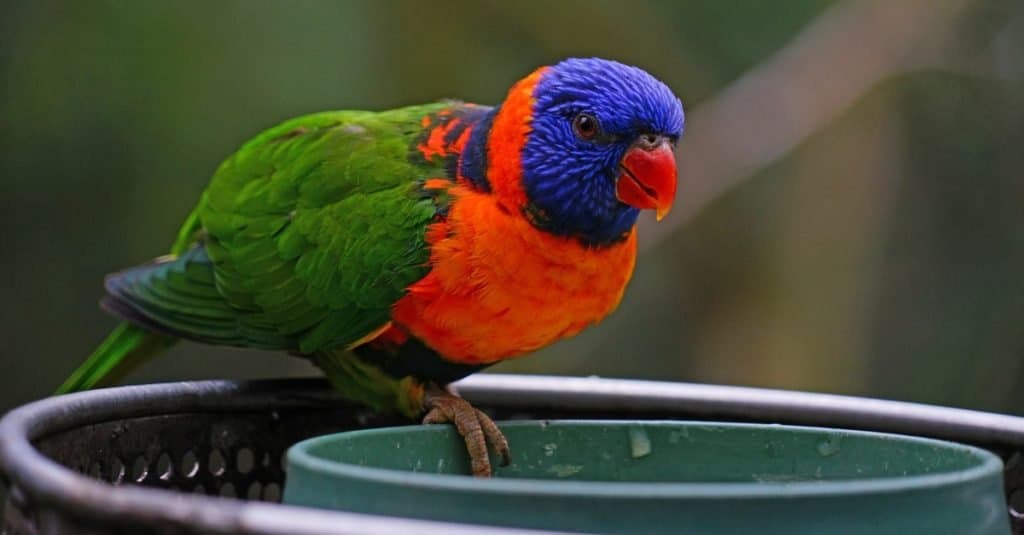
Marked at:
<point>660,477</point>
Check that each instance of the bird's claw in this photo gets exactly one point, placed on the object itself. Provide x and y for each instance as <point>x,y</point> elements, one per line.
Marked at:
<point>476,428</point>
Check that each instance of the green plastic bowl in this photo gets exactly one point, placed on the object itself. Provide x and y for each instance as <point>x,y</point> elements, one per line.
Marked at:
<point>660,477</point>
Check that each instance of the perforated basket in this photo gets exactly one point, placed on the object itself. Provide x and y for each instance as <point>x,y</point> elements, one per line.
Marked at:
<point>206,457</point>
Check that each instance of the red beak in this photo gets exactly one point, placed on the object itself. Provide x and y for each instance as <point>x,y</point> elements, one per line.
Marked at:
<point>648,179</point>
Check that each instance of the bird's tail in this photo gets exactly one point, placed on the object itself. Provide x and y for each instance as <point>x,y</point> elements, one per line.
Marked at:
<point>125,347</point>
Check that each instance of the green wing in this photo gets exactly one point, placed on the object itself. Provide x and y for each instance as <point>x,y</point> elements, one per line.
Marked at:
<point>303,240</point>
<point>317,227</point>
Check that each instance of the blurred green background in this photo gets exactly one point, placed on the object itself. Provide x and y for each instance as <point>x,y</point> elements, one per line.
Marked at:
<point>881,255</point>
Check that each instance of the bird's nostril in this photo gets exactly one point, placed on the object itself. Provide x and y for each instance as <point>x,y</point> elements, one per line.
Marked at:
<point>649,141</point>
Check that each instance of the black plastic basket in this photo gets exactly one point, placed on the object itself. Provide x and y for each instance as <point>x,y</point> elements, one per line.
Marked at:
<point>206,457</point>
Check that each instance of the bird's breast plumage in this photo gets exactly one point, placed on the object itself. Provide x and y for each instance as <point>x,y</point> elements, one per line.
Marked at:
<point>499,287</point>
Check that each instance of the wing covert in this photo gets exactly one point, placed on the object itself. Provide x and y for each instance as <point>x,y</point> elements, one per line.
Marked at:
<point>316,227</point>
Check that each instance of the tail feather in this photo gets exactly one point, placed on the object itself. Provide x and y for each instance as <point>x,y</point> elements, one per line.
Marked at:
<point>123,310</point>
<point>137,337</point>
<point>159,302</point>
<point>126,347</point>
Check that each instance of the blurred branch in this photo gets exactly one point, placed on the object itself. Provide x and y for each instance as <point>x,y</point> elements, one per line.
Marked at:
<point>771,109</point>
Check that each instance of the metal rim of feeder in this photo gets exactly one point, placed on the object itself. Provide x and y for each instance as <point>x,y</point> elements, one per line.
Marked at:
<point>35,479</point>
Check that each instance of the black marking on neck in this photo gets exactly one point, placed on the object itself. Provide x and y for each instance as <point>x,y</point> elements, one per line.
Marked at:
<point>472,164</point>
<point>540,220</point>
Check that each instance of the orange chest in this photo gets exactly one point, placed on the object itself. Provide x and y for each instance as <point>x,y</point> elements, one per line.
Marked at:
<point>499,288</point>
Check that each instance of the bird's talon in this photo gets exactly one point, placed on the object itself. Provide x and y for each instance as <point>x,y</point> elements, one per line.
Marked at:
<point>494,437</point>
<point>476,428</point>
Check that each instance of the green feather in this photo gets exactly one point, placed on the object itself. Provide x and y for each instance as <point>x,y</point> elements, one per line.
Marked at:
<point>303,241</point>
<point>126,347</point>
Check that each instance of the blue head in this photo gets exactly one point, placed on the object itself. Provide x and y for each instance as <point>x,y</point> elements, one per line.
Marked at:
<point>599,149</point>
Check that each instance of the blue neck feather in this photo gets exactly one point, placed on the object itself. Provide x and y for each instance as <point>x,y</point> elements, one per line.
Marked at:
<point>472,163</point>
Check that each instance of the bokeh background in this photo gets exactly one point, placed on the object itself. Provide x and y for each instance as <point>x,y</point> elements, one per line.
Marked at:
<point>851,216</point>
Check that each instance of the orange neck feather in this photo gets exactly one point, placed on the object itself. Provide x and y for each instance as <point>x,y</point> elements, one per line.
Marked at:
<point>499,287</point>
<point>505,145</point>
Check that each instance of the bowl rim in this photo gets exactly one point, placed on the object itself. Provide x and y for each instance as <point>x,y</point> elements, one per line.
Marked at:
<point>988,465</point>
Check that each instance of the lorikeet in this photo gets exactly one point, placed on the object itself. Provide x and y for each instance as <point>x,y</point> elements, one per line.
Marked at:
<point>404,249</point>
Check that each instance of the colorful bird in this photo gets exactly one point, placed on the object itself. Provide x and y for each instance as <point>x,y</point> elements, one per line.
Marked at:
<point>402,250</point>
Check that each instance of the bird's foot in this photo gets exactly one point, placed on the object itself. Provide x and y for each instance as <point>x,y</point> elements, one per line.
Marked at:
<point>476,428</point>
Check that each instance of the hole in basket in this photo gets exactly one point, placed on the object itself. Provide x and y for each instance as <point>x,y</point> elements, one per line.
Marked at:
<point>17,498</point>
<point>217,463</point>
<point>95,470</point>
<point>254,491</point>
<point>116,471</point>
<point>244,460</point>
<point>164,467</point>
<point>228,490</point>
<point>189,464</point>
<point>272,492</point>
<point>1012,462</point>
<point>140,469</point>
<point>1016,503</point>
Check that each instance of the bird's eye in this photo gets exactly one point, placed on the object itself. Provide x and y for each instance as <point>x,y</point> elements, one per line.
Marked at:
<point>585,126</point>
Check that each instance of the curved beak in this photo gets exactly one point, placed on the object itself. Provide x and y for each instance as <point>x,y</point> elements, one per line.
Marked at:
<point>648,177</point>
